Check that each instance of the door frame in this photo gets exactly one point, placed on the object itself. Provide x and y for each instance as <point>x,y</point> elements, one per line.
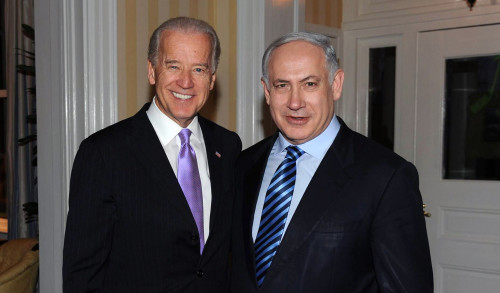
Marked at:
<point>463,228</point>
<point>359,35</point>
<point>77,95</point>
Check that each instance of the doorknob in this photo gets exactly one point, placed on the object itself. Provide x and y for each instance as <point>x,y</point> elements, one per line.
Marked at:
<point>426,214</point>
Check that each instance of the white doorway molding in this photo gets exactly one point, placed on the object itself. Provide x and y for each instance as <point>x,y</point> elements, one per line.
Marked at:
<point>76,96</point>
<point>259,23</point>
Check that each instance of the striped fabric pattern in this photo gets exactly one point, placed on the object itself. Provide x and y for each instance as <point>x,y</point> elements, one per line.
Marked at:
<point>275,212</point>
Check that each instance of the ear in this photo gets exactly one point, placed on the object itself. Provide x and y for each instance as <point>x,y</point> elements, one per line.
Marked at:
<point>337,84</point>
<point>212,82</point>
<point>151,73</point>
<point>266,90</point>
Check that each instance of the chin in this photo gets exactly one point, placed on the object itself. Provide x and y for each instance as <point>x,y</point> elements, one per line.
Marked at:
<point>294,138</point>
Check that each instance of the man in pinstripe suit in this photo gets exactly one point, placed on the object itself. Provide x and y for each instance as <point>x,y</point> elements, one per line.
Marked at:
<point>130,227</point>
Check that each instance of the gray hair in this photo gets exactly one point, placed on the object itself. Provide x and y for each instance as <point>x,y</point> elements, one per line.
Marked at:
<point>186,25</point>
<point>315,39</point>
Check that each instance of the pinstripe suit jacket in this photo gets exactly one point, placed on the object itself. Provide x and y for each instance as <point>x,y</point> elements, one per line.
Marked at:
<point>129,227</point>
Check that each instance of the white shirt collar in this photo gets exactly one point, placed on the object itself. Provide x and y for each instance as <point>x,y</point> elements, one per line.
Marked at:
<point>167,129</point>
<point>317,146</point>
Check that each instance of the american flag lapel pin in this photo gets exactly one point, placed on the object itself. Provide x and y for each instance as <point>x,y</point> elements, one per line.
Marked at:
<point>218,154</point>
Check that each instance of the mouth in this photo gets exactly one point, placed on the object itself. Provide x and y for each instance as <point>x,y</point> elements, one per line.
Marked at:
<point>181,96</point>
<point>297,120</point>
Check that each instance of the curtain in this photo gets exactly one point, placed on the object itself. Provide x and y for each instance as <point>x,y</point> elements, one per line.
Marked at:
<point>20,160</point>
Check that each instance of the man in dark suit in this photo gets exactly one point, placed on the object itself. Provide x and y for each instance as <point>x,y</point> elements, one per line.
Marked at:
<point>150,197</point>
<point>322,208</point>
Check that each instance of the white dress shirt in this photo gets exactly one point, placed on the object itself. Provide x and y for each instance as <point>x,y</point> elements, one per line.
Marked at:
<point>167,131</point>
<point>307,164</point>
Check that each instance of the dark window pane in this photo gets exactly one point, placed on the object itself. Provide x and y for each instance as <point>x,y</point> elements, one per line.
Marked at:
<point>472,119</point>
<point>381,95</point>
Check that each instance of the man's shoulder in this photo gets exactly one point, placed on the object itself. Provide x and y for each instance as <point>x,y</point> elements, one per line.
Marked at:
<point>219,131</point>
<point>117,132</point>
<point>112,131</point>
<point>365,151</point>
<point>259,148</point>
<point>371,153</point>
<point>206,123</point>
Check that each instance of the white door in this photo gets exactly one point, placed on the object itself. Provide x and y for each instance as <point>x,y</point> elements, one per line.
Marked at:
<point>464,227</point>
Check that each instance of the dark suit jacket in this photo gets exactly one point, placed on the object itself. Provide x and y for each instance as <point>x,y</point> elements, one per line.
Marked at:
<point>129,226</point>
<point>359,227</point>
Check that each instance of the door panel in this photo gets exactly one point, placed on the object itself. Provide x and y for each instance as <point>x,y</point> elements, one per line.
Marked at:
<point>464,227</point>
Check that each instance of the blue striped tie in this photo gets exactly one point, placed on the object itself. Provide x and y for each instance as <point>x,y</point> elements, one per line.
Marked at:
<point>276,206</point>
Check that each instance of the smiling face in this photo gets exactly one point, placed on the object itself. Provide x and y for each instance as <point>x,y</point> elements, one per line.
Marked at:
<point>300,98</point>
<point>182,76</point>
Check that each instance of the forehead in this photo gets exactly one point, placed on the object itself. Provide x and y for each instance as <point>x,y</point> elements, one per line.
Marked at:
<point>297,57</point>
<point>176,44</point>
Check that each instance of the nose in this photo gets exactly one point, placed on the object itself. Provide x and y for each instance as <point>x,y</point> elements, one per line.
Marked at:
<point>296,100</point>
<point>185,80</point>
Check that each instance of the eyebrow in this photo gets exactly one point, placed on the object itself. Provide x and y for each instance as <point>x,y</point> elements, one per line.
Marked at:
<point>197,64</point>
<point>310,77</point>
<point>280,81</point>
<point>202,64</point>
<point>302,80</point>
<point>171,61</point>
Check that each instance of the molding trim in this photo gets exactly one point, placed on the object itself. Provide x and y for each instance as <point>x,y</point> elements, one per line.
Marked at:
<point>77,85</point>
<point>259,23</point>
<point>299,15</point>
<point>100,64</point>
<point>328,31</point>
<point>370,14</point>
<point>250,44</point>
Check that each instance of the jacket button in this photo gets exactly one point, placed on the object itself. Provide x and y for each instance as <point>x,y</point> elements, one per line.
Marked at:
<point>194,237</point>
<point>199,273</point>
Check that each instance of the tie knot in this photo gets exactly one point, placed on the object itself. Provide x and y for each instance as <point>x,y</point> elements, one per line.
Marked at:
<point>293,152</point>
<point>184,135</point>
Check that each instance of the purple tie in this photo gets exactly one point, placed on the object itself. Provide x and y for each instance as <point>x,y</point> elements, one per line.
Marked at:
<point>189,179</point>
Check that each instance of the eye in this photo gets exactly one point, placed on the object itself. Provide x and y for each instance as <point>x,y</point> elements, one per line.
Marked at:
<point>280,85</point>
<point>310,84</point>
<point>199,70</point>
<point>175,67</point>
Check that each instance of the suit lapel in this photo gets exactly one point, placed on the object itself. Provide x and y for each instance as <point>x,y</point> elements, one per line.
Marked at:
<point>212,145</point>
<point>254,175</point>
<point>252,184</point>
<point>331,176</point>
<point>146,147</point>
